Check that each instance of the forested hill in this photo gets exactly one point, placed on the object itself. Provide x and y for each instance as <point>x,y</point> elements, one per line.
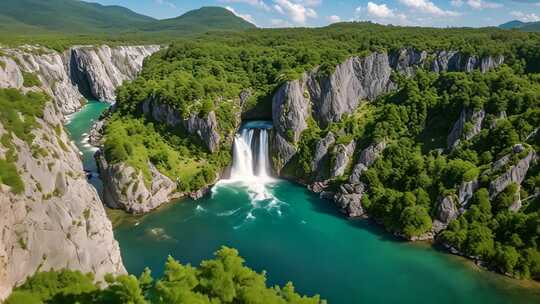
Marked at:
<point>79,17</point>
<point>522,26</point>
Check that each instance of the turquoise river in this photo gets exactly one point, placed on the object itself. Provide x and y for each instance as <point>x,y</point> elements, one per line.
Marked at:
<point>294,235</point>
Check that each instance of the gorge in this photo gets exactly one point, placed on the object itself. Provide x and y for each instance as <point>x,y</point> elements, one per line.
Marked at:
<point>429,143</point>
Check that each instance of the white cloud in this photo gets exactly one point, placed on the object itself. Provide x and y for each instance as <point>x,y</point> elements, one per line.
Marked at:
<point>379,10</point>
<point>456,3</point>
<point>279,23</point>
<point>333,19</point>
<point>480,4</point>
<point>167,3</point>
<point>381,13</point>
<point>255,3</point>
<point>246,17</point>
<point>525,17</point>
<point>428,7</point>
<point>298,12</point>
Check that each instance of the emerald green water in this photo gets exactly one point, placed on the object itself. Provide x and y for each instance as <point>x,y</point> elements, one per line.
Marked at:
<point>78,127</point>
<point>296,236</point>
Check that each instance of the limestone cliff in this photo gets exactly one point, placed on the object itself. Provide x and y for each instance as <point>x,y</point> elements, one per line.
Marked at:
<point>59,220</point>
<point>94,72</point>
<point>461,132</point>
<point>326,98</point>
<point>204,128</point>
<point>100,70</point>
<point>125,188</point>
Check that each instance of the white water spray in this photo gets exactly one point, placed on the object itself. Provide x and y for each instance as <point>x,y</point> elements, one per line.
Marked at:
<point>251,166</point>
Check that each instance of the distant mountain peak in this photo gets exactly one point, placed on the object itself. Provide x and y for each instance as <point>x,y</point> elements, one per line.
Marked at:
<point>81,17</point>
<point>524,26</point>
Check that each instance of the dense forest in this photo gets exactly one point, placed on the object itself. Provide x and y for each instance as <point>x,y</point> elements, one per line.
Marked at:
<point>417,169</point>
<point>224,279</point>
<point>193,75</point>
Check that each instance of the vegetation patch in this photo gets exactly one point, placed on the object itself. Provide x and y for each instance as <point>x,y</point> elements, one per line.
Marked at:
<point>223,279</point>
<point>30,80</point>
<point>138,143</point>
<point>18,117</point>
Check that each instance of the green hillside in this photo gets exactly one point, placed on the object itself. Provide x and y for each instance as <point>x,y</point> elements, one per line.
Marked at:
<point>67,16</point>
<point>523,26</point>
<point>36,17</point>
<point>202,20</point>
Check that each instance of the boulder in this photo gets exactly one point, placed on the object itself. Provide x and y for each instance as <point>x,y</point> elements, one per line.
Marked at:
<point>349,199</point>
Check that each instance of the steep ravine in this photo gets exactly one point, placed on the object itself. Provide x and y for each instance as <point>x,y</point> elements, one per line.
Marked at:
<point>72,75</point>
<point>58,221</point>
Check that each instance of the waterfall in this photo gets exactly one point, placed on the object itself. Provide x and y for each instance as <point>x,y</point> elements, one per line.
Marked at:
<point>250,155</point>
<point>250,172</point>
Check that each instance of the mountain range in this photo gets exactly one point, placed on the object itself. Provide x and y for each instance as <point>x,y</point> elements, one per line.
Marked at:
<point>79,17</point>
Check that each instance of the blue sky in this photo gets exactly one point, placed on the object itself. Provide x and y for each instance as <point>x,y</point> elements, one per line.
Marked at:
<point>281,13</point>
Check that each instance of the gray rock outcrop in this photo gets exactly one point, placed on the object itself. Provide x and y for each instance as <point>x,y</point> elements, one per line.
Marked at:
<point>58,221</point>
<point>367,157</point>
<point>328,98</point>
<point>125,187</point>
<point>349,199</point>
<point>515,174</point>
<point>459,132</point>
<point>104,68</point>
<point>66,76</point>
<point>353,81</point>
<point>321,151</point>
<point>343,154</point>
<point>466,191</point>
<point>447,211</point>
<point>205,128</point>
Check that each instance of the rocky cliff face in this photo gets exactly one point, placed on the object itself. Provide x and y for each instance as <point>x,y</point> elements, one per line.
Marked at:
<point>447,211</point>
<point>100,70</point>
<point>327,98</point>
<point>353,81</point>
<point>459,130</point>
<point>59,220</point>
<point>516,173</point>
<point>349,196</point>
<point>125,188</point>
<point>408,60</point>
<point>93,71</point>
<point>206,129</point>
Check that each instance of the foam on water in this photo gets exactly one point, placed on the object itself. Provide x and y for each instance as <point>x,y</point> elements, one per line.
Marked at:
<point>251,169</point>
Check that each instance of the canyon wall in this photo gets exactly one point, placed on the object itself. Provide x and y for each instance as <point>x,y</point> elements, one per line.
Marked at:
<point>327,98</point>
<point>76,74</point>
<point>58,221</point>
